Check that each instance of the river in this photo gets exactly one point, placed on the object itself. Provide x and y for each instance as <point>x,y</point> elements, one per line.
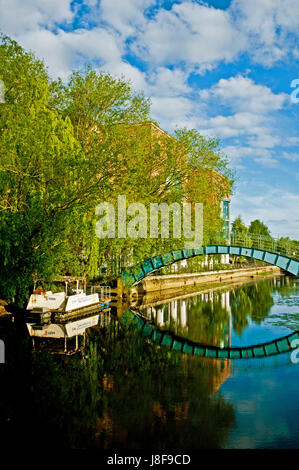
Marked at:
<point>126,393</point>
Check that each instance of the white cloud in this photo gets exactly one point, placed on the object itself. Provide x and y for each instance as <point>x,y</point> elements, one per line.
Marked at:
<point>126,16</point>
<point>243,94</point>
<point>189,33</point>
<point>266,161</point>
<point>120,68</point>
<point>260,155</point>
<point>264,139</point>
<point>268,25</point>
<point>201,35</point>
<point>166,82</point>
<point>65,51</point>
<point>37,26</point>
<point>171,108</point>
<point>293,157</point>
<point>292,141</point>
<point>19,16</point>
<point>253,106</point>
<point>269,205</point>
<point>234,125</point>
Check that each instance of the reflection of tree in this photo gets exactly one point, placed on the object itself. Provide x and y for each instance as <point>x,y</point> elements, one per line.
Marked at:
<point>67,396</point>
<point>207,320</point>
<point>173,406</point>
<point>241,307</point>
<point>126,392</point>
<point>287,286</point>
<point>261,299</point>
<point>253,301</point>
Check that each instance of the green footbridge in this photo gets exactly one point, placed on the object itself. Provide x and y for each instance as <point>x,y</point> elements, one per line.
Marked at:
<point>137,273</point>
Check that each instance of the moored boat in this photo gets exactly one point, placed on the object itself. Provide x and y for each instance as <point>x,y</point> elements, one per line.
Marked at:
<point>45,305</point>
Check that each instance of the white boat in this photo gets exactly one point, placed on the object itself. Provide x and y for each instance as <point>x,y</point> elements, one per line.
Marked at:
<point>44,303</point>
<point>60,301</point>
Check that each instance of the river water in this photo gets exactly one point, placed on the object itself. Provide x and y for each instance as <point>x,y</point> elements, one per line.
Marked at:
<point>142,397</point>
<point>212,403</point>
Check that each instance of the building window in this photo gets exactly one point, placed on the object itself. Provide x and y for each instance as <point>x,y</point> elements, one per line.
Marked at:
<point>226,210</point>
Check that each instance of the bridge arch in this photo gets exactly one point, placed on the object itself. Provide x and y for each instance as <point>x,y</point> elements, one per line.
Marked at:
<point>138,273</point>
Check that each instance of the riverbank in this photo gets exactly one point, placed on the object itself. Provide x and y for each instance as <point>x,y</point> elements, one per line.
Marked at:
<point>177,281</point>
<point>157,298</point>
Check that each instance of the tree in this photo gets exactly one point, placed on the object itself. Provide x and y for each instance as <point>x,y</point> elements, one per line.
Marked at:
<point>43,173</point>
<point>64,148</point>
<point>206,177</point>
<point>259,228</point>
<point>112,125</point>
<point>52,177</point>
<point>238,226</point>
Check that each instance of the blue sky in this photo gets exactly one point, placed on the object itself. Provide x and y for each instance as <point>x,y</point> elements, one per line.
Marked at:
<point>222,67</point>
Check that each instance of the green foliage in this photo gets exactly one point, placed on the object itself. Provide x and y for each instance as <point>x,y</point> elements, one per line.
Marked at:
<point>207,176</point>
<point>238,226</point>
<point>38,160</point>
<point>259,228</point>
<point>66,147</point>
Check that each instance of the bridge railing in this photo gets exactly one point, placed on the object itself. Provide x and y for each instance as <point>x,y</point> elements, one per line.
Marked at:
<point>280,252</point>
<point>275,245</point>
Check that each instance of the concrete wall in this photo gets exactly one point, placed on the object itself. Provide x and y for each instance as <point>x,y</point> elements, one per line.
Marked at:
<point>177,281</point>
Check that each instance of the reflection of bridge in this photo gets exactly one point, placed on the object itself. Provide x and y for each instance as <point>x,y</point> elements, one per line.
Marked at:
<point>174,342</point>
<point>283,261</point>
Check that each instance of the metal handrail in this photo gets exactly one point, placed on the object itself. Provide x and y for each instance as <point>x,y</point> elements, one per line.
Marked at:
<point>262,242</point>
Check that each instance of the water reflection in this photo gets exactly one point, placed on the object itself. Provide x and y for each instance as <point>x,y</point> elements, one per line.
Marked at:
<point>237,316</point>
<point>177,408</point>
<point>66,337</point>
<point>204,318</point>
<point>122,391</point>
